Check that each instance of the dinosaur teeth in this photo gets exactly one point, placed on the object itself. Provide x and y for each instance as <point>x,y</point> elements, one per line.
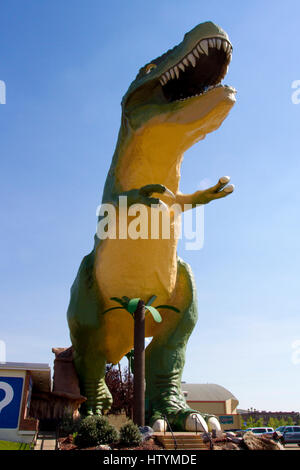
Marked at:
<point>204,47</point>
<point>225,45</point>
<point>199,49</point>
<point>196,53</point>
<point>192,59</point>
<point>212,87</point>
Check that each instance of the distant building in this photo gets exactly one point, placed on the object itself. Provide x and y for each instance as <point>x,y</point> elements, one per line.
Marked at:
<point>214,399</point>
<point>266,415</point>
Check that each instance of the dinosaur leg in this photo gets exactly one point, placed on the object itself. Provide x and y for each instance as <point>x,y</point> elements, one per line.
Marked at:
<point>86,331</point>
<point>91,373</point>
<point>165,358</point>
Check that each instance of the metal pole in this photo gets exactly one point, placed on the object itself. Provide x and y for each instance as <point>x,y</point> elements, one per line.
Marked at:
<point>139,366</point>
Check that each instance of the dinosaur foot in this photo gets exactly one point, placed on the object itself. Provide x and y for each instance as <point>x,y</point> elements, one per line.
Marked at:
<point>196,421</point>
<point>188,420</point>
<point>98,397</point>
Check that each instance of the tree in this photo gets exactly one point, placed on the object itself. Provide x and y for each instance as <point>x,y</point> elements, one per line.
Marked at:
<point>282,422</point>
<point>121,389</point>
<point>136,307</point>
<point>251,423</point>
<point>273,423</point>
<point>259,423</point>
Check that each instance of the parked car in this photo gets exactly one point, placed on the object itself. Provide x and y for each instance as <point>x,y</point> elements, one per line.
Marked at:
<point>233,430</point>
<point>261,431</point>
<point>290,434</point>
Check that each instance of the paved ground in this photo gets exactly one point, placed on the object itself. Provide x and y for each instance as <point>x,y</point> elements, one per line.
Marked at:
<point>291,447</point>
<point>45,441</point>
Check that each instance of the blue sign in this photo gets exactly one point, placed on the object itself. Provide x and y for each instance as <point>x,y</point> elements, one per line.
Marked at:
<point>10,401</point>
<point>228,419</point>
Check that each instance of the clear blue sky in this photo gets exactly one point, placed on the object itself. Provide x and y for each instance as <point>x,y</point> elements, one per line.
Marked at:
<point>66,65</point>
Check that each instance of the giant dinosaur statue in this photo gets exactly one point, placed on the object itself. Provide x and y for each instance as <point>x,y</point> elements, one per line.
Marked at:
<point>173,103</point>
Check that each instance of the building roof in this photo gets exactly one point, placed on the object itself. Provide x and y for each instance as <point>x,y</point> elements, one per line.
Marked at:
<point>24,366</point>
<point>40,373</point>
<point>206,392</point>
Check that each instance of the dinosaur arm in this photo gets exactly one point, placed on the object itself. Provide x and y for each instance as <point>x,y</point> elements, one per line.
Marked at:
<point>182,201</point>
<point>220,190</point>
<point>142,195</point>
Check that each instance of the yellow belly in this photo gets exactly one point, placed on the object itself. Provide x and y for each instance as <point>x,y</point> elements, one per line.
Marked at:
<point>133,268</point>
<point>136,268</point>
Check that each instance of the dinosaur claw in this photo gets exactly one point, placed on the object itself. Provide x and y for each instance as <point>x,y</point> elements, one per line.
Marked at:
<point>229,188</point>
<point>225,179</point>
<point>159,425</point>
<point>213,424</point>
<point>195,422</point>
<point>163,206</point>
<point>168,192</point>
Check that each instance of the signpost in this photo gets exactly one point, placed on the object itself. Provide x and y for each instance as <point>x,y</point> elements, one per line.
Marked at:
<point>10,399</point>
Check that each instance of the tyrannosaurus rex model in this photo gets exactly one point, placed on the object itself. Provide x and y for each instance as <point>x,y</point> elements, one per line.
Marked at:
<point>173,103</point>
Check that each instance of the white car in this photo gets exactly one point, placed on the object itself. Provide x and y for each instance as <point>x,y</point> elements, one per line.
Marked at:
<point>261,431</point>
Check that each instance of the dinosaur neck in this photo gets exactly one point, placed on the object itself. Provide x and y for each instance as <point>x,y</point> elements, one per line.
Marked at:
<point>150,155</point>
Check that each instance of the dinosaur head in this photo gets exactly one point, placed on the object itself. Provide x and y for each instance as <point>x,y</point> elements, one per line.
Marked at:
<point>183,86</point>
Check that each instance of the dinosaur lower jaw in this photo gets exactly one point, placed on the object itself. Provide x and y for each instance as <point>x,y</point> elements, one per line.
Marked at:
<point>200,71</point>
<point>207,90</point>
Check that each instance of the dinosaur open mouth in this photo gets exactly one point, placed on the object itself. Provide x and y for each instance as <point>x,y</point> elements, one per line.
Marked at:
<point>200,70</point>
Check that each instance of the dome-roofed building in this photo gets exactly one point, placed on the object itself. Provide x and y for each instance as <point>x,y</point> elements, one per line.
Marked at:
<point>214,399</point>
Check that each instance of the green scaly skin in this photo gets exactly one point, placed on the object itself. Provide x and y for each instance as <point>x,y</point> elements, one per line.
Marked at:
<point>165,356</point>
<point>163,383</point>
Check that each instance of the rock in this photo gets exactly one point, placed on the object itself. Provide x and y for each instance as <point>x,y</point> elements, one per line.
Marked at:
<point>146,432</point>
<point>103,447</point>
<point>226,446</point>
<point>253,442</point>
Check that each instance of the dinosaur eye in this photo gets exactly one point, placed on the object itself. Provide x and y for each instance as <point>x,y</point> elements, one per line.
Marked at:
<point>150,67</point>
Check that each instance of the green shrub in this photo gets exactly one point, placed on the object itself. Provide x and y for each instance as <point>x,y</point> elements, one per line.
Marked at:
<point>95,430</point>
<point>107,433</point>
<point>130,435</point>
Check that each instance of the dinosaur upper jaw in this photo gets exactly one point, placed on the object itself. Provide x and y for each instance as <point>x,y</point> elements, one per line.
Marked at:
<point>199,70</point>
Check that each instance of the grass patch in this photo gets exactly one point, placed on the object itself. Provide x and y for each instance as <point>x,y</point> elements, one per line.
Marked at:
<point>7,445</point>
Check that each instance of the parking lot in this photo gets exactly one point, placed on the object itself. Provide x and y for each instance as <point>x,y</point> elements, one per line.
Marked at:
<point>291,447</point>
